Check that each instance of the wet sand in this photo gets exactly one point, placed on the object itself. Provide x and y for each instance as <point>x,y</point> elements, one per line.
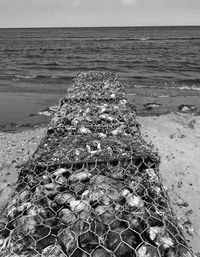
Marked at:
<point>20,110</point>
<point>177,138</point>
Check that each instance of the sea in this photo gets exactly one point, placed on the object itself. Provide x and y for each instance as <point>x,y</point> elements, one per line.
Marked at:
<point>37,65</point>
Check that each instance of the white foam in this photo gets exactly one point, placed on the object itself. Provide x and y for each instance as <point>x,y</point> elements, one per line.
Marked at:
<point>25,76</point>
<point>189,88</point>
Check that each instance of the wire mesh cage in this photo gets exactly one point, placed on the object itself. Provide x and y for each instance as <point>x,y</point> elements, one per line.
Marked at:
<point>92,188</point>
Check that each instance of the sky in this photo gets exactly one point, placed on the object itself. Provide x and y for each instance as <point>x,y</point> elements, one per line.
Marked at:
<point>89,13</point>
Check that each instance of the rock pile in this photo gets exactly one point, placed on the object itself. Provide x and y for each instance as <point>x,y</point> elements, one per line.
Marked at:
<point>92,187</point>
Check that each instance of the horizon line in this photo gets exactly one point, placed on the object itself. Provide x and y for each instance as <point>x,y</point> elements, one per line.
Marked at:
<point>74,27</point>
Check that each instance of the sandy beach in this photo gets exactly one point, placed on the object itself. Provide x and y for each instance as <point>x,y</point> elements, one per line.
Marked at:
<point>175,135</point>
<point>177,138</point>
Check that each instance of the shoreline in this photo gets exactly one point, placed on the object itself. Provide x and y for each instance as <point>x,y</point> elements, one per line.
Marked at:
<point>175,135</point>
<point>43,117</point>
<point>20,111</point>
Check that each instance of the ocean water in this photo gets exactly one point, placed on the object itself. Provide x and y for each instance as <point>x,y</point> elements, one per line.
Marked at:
<point>151,61</point>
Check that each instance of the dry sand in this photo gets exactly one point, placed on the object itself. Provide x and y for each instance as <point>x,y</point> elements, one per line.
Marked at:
<point>177,138</point>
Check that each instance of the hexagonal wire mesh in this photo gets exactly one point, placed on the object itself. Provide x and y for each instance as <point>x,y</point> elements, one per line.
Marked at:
<point>92,187</point>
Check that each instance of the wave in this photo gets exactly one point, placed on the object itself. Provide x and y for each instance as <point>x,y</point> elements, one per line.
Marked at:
<point>32,76</point>
<point>42,77</point>
<point>129,39</point>
<point>171,85</point>
<point>174,39</point>
<point>65,78</point>
<point>51,64</point>
<point>140,77</point>
<point>163,39</point>
<point>179,87</point>
<point>8,50</point>
<point>139,86</point>
<point>144,86</point>
<point>191,81</point>
<point>25,76</point>
<point>54,68</point>
<point>35,55</point>
<point>189,88</point>
<point>41,64</point>
<point>133,39</point>
<point>140,39</point>
<point>47,66</point>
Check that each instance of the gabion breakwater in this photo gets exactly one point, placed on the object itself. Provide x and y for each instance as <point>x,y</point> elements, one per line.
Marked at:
<point>92,188</point>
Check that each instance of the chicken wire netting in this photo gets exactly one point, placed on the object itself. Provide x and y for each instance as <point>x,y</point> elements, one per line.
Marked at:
<point>92,187</point>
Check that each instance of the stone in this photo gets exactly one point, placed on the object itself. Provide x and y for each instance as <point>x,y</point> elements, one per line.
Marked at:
<point>151,106</point>
<point>124,250</point>
<point>68,240</point>
<point>59,171</point>
<point>64,198</point>
<point>167,241</point>
<point>24,196</point>
<point>26,225</point>
<point>24,206</point>
<point>84,130</point>
<point>118,131</point>
<point>79,227</point>
<point>53,251</point>
<point>67,216</point>
<point>101,252</point>
<point>152,174</point>
<point>60,180</point>
<point>113,241</point>
<point>88,241</point>
<point>79,176</point>
<point>125,192</point>
<point>142,251</point>
<point>134,201</point>
<point>106,117</point>
<point>45,113</point>
<point>186,108</point>
<point>79,206</point>
<point>154,232</point>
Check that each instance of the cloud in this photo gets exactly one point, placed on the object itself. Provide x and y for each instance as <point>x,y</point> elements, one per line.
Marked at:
<point>129,2</point>
<point>75,3</point>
